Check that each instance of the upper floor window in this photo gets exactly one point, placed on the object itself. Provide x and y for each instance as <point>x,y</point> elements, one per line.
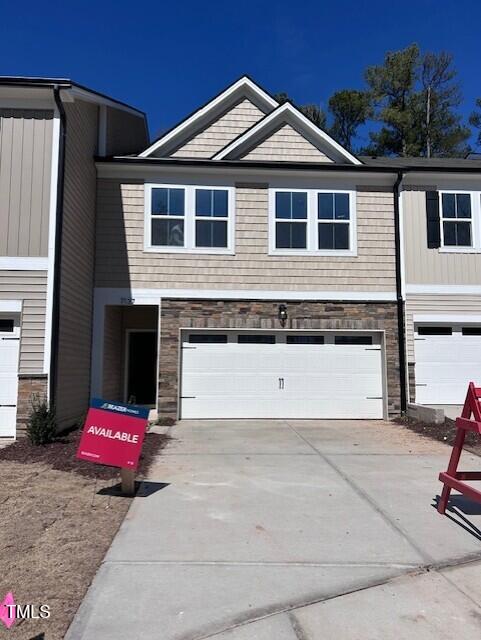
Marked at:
<point>189,219</point>
<point>312,222</point>
<point>168,208</point>
<point>456,220</point>
<point>291,220</point>
<point>333,216</point>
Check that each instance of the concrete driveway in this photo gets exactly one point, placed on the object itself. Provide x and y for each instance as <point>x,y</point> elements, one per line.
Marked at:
<point>278,530</point>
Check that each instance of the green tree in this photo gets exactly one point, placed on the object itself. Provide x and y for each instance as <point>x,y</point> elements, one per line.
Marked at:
<point>415,98</point>
<point>475,120</point>
<point>349,109</point>
<point>441,130</point>
<point>315,114</point>
<point>392,86</point>
<point>282,97</point>
<point>311,111</point>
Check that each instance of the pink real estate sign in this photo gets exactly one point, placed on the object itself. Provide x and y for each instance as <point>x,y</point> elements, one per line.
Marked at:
<point>113,434</point>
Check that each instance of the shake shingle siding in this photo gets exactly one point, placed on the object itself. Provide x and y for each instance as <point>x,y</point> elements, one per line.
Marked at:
<point>122,262</point>
<point>221,132</point>
<point>31,288</point>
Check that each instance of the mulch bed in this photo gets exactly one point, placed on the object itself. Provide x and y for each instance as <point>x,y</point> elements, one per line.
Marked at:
<point>445,432</point>
<point>60,455</point>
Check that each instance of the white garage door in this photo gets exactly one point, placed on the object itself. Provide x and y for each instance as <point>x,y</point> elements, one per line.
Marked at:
<point>283,375</point>
<point>9,346</point>
<point>448,357</point>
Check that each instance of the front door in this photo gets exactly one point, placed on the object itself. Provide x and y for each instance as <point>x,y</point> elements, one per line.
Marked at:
<point>141,367</point>
<point>9,351</point>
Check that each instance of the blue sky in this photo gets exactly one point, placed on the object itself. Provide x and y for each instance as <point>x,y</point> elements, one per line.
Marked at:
<point>169,57</point>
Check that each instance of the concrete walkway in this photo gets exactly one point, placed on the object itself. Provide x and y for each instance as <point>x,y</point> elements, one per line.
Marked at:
<point>281,530</point>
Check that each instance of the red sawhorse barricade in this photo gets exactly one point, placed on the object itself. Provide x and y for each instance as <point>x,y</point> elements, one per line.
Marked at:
<point>470,420</point>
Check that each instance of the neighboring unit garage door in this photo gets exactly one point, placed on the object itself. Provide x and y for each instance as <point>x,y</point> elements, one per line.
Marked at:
<point>447,357</point>
<point>9,346</point>
<point>283,375</point>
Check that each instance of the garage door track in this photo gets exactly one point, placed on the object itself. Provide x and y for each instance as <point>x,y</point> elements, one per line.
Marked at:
<point>275,529</point>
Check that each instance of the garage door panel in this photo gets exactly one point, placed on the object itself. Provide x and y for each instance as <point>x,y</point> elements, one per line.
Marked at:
<point>260,406</point>
<point>9,351</point>
<point>445,365</point>
<point>232,380</point>
<point>216,383</point>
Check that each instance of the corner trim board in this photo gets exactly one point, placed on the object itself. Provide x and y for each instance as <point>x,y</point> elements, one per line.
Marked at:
<point>52,224</point>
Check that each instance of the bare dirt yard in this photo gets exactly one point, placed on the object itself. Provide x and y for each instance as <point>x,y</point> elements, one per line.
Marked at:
<point>445,433</point>
<point>58,517</point>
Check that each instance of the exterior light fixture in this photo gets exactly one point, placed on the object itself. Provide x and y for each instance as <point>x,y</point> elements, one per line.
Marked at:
<point>282,315</point>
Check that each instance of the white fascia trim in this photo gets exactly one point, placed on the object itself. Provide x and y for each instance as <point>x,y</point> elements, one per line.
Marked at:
<point>23,264</point>
<point>451,289</point>
<point>242,82</point>
<point>446,317</point>
<point>274,115</point>
<point>52,225</point>
<point>152,296</point>
<point>10,306</point>
<point>88,96</point>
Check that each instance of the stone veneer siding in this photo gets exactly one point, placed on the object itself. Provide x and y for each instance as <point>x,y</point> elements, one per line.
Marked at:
<point>28,387</point>
<point>228,314</point>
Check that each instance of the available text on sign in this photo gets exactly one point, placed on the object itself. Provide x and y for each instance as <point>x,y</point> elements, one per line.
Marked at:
<point>113,434</point>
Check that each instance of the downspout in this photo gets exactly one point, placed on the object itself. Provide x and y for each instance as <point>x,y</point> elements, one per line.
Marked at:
<point>399,297</point>
<point>58,249</point>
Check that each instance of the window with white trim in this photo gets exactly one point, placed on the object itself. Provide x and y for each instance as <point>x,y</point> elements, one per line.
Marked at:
<point>189,218</point>
<point>312,222</point>
<point>291,219</point>
<point>456,220</point>
<point>333,220</point>
<point>168,208</point>
<point>211,217</point>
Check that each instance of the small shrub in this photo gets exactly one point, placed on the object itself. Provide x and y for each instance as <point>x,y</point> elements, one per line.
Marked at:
<point>41,425</point>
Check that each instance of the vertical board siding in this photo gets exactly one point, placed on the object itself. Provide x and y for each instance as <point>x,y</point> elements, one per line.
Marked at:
<point>113,355</point>
<point>126,133</point>
<point>122,262</point>
<point>288,145</point>
<point>31,288</point>
<point>221,132</point>
<point>430,266</point>
<point>77,264</point>
<point>437,304</point>
<point>25,171</point>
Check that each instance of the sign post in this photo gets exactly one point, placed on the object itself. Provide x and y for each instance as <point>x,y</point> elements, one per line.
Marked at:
<point>113,434</point>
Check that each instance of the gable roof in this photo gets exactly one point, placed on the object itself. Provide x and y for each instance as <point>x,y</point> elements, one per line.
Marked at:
<point>245,87</point>
<point>286,113</point>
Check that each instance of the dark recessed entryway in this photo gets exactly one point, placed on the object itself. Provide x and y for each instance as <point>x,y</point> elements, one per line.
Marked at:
<point>141,367</point>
